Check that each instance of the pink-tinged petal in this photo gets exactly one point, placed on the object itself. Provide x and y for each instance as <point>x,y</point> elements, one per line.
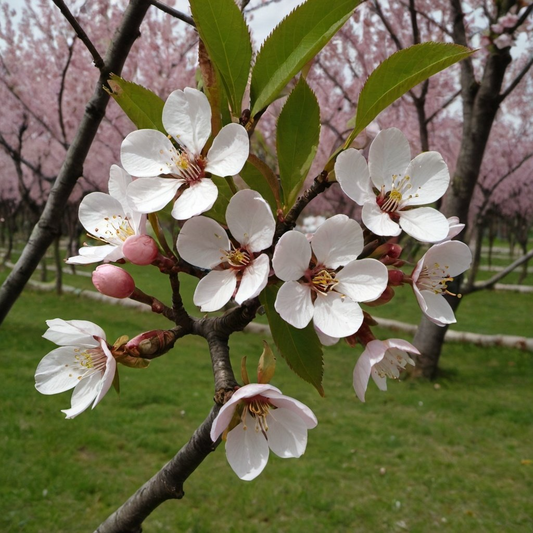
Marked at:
<point>294,304</point>
<point>148,153</point>
<point>118,182</point>
<point>254,279</point>
<point>351,171</point>
<point>287,433</point>
<point>373,353</point>
<point>95,254</point>
<point>363,280</point>
<point>424,224</point>
<point>247,450</point>
<point>149,195</point>
<point>73,332</point>
<point>291,256</point>
<point>337,316</point>
<point>401,344</point>
<point>229,151</point>
<point>215,290</point>
<point>250,220</point>
<point>109,374</point>
<point>57,371</point>
<point>202,242</point>
<point>389,155</point>
<point>379,222</point>
<point>455,227</point>
<point>438,310</point>
<point>326,340</point>
<point>429,178</point>
<point>337,241</point>
<point>187,117</point>
<point>84,395</point>
<point>380,381</point>
<point>454,256</point>
<point>291,404</point>
<point>197,199</point>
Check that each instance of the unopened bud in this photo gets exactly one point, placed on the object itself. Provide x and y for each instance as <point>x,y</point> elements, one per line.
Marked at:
<point>396,278</point>
<point>113,281</point>
<point>150,343</point>
<point>140,249</point>
<point>389,249</point>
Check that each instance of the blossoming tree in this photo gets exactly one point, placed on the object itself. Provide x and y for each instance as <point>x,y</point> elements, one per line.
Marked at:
<point>236,216</point>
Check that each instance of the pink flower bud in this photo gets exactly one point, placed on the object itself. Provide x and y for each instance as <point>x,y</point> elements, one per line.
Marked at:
<point>385,298</point>
<point>113,281</point>
<point>140,249</point>
<point>396,278</point>
<point>150,343</point>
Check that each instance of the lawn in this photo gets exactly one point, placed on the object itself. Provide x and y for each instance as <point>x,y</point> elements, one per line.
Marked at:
<point>454,456</point>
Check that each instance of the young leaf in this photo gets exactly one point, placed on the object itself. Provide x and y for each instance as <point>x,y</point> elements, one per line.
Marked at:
<point>143,107</point>
<point>296,40</point>
<point>259,177</point>
<point>223,30</point>
<point>297,139</point>
<point>398,74</point>
<point>299,347</point>
<point>267,365</point>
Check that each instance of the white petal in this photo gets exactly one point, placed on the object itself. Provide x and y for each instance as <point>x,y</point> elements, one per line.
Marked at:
<point>429,178</point>
<point>119,180</point>
<point>363,280</point>
<point>202,242</point>
<point>247,450</point>
<point>250,220</point>
<point>148,153</point>
<point>438,309</point>
<point>454,256</point>
<point>215,290</point>
<point>229,151</point>
<point>187,117</point>
<point>73,332</point>
<point>291,256</point>
<point>254,279</point>
<point>291,404</point>
<point>109,374</point>
<point>149,195</point>
<point>379,222</point>
<point>424,224</point>
<point>294,304</point>
<point>326,340</point>
<point>197,199</point>
<point>373,353</point>
<point>337,241</point>
<point>287,433</point>
<point>389,155</point>
<point>337,316</point>
<point>100,214</point>
<point>380,381</point>
<point>94,254</point>
<point>351,171</point>
<point>57,371</point>
<point>84,394</point>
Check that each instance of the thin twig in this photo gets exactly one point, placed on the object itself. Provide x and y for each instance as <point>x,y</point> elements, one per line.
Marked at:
<point>174,12</point>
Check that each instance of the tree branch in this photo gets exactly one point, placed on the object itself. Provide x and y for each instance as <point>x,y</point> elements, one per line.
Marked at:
<point>517,80</point>
<point>173,12</point>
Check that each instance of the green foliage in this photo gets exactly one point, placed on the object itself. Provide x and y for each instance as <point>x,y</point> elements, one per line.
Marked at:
<point>260,177</point>
<point>218,211</point>
<point>298,133</point>
<point>223,30</point>
<point>143,107</point>
<point>299,347</point>
<point>294,42</point>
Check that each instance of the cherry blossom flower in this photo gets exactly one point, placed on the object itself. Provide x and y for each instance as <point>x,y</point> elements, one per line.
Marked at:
<point>165,169</point>
<point>323,280</point>
<point>402,186</point>
<point>381,360</point>
<point>432,274</point>
<point>204,243</point>
<point>108,218</point>
<point>268,419</point>
<point>83,362</point>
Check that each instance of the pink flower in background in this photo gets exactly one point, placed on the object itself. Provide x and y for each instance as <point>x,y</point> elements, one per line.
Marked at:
<point>268,420</point>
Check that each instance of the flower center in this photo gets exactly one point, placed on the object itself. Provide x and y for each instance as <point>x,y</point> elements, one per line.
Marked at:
<point>435,279</point>
<point>116,229</point>
<point>88,361</point>
<point>237,257</point>
<point>192,170</point>
<point>391,201</point>
<point>258,408</point>
<point>324,281</point>
<point>393,361</point>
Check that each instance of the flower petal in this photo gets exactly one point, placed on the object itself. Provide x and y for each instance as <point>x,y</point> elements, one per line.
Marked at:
<point>379,222</point>
<point>429,178</point>
<point>294,304</point>
<point>373,353</point>
<point>187,117</point>
<point>118,182</point>
<point>250,220</point>
<point>103,216</point>
<point>292,404</point>
<point>254,279</point>
<point>337,241</point>
<point>454,256</point>
<point>57,372</point>
<point>109,374</point>
<point>229,151</point>
<point>73,332</point>
<point>424,224</point>
<point>95,254</point>
<point>291,256</point>
<point>215,290</point>
<point>363,280</point>
<point>438,310</point>
<point>149,195</point>
<point>247,450</point>
<point>197,199</point>
<point>287,433</point>
<point>351,171</point>
<point>202,242</point>
<point>337,316</point>
<point>389,155</point>
<point>83,395</point>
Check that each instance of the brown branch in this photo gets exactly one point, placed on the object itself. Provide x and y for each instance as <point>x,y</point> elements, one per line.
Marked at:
<point>444,106</point>
<point>174,12</point>
<point>517,80</point>
<point>61,92</point>
<point>153,303</point>
<point>388,27</point>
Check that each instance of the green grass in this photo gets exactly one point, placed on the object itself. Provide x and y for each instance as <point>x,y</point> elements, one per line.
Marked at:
<point>419,458</point>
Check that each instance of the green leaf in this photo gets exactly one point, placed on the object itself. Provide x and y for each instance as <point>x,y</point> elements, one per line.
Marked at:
<point>143,107</point>
<point>299,347</point>
<point>297,139</point>
<point>400,73</point>
<point>223,30</point>
<point>218,211</point>
<point>260,177</point>
<point>295,41</point>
